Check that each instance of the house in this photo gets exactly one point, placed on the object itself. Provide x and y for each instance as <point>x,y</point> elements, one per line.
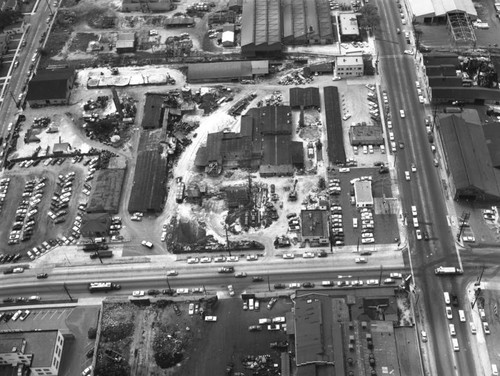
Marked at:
<point>349,66</point>
<point>125,42</point>
<point>4,43</point>
<point>12,5</point>
<point>15,28</point>
<point>60,82</point>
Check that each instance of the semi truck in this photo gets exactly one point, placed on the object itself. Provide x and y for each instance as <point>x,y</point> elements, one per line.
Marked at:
<point>103,286</point>
<point>93,247</point>
<point>447,270</point>
<point>101,254</point>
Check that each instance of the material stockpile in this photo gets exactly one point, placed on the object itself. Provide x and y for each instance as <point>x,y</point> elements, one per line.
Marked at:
<point>294,78</point>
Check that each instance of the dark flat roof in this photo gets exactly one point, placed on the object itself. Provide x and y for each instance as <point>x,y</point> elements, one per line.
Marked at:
<point>106,191</point>
<point>305,97</point>
<point>56,80</point>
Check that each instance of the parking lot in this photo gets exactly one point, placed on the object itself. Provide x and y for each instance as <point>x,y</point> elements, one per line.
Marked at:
<point>218,345</point>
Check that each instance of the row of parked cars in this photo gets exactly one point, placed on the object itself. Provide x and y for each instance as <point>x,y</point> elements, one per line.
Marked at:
<point>4,188</point>
<point>62,196</point>
<point>23,227</point>
<point>336,222</point>
<point>367,226</point>
<point>14,316</point>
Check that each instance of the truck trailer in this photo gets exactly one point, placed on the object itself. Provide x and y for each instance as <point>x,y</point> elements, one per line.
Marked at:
<point>447,270</point>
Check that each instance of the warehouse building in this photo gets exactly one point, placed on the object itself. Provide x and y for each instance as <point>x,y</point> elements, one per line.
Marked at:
<point>227,71</point>
<point>330,325</point>
<point>60,82</point>
<point>149,185</point>
<point>125,42</point>
<point>106,191</point>
<point>267,25</point>
<point>334,131</point>
<point>263,143</point>
<point>154,112</point>
<point>305,97</point>
<point>437,11</point>
<point>470,168</point>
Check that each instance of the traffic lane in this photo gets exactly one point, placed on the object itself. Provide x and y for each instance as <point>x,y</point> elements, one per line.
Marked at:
<point>212,282</point>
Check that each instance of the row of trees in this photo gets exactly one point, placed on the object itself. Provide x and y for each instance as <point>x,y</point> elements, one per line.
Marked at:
<point>8,17</point>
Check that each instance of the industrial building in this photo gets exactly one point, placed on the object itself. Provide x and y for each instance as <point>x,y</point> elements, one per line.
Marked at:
<point>305,97</point>
<point>267,25</point>
<point>334,131</point>
<point>349,66</point>
<point>154,111</point>
<point>226,71</point>
<point>38,352</point>
<point>363,193</point>
<point>360,135</point>
<point>263,143</point>
<point>337,331</point>
<point>147,6</point>
<point>60,82</point>
<point>106,191</point>
<point>437,11</point>
<point>314,228</point>
<point>471,173</point>
<point>149,190</point>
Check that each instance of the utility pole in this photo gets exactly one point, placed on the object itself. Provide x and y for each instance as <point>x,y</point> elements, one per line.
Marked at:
<point>478,282</point>
<point>268,283</point>
<point>14,99</point>
<point>463,224</point>
<point>380,276</point>
<point>67,291</point>
<point>168,284</point>
<point>227,239</point>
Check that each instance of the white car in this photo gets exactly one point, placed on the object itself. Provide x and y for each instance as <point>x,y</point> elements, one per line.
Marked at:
<point>407,175</point>
<point>391,136</point>
<point>344,169</point>
<point>191,309</point>
<point>193,260</point>
<point>308,255</point>
<point>147,244</point>
<point>419,234</point>
<point>408,52</point>
<point>414,210</point>
<point>367,240</point>
<point>346,117</point>
<point>396,275</point>
<point>233,258</point>
<point>172,273</point>
<point>294,285</point>
<point>211,318</point>
<point>252,258</point>
<point>402,113</point>
<point>138,293</point>
<point>206,260</point>
<point>372,282</point>
<point>231,290</point>
<point>421,99</point>
<point>288,256</point>
<point>413,167</point>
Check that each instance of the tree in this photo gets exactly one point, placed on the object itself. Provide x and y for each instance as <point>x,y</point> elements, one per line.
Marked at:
<point>370,18</point>
<point>8,17</point>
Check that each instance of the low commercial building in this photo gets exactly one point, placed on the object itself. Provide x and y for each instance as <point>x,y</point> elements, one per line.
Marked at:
<point>305,97</point>
<point>348,26</point>
<point>4,43</point>
<point>363,194</point>
<point>37,352</point>
<point>360,135</point>
<point>95,225</point>
<point>15,28</point>
<point>228,36</point>
<point>125,42</point>
<point>314,227</point>
<point>437,11</point>
<point>179,21</point>
<point>349,66</point>
<point>60,82</point>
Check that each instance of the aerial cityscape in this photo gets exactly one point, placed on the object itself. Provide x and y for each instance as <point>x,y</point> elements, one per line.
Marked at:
<point>249,187</point>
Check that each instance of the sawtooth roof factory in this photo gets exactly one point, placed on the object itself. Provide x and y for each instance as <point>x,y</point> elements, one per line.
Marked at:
<point>267,25</point>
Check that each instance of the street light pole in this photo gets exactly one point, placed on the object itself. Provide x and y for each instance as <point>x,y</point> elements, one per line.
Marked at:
<point>67,291</point>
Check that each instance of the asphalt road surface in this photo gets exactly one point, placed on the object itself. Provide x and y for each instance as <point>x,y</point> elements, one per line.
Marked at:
<point>423,190</point>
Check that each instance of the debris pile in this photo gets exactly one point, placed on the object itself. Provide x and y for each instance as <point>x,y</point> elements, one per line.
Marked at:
<point>260,364</point>
<point>295,78</point>
<point>101,102</point>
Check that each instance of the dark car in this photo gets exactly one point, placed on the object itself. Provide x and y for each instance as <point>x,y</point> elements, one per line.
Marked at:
<point>279,286</point>
<point>426,235</point>
<point>322,254</point>
<point>59,220</point>
<point>153,292</point>
<point>454,300</point>
<point>308,285</point>
<point>8,300</point>
<point>257,279</point>
<point>42,275</point>
<point>90,353</point>
<point>278,345</point>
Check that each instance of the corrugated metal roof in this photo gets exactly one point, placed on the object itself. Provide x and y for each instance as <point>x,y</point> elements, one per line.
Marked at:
<point>492,136</point>
<point>467,156</point>
<point>324,19</point>
<point>274,22</point>
<point>465,93</point>
<point>248,23</point>
<point>260,67</point>
<point>299,18</point>
<point>422,8</point>
<point>287,16</point>
<point>219,70</point>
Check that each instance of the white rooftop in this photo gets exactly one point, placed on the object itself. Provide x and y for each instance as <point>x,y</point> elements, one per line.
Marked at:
<point>441,7</point>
